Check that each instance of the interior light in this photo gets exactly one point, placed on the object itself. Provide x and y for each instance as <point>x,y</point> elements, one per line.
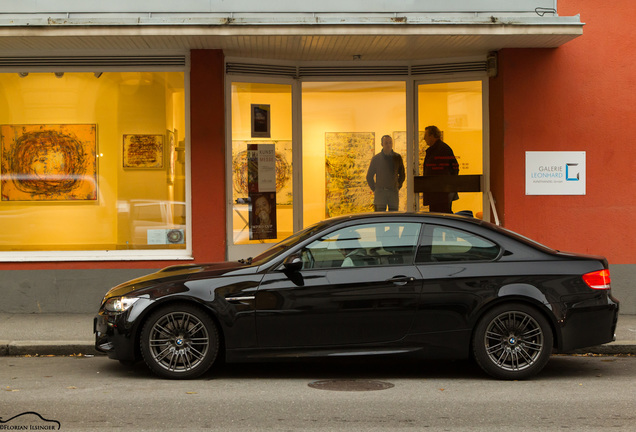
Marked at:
<point>59,74</point>
<point>23,74</point>
<point>98,74</point>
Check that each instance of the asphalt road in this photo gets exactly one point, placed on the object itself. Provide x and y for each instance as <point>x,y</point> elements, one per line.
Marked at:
<point>95,394</point>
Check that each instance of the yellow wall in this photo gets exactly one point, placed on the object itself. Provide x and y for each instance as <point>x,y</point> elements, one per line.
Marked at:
<point>118,103</point>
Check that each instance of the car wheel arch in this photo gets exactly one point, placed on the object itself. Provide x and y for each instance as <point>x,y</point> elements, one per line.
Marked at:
<point>515,299</point>
<point>147,313</point>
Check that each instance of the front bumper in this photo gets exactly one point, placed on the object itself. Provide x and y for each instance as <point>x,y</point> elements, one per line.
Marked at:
<point>116,333</point>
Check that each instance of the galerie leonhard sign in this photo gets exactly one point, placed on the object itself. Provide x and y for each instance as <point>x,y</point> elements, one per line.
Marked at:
<point>555,173</point>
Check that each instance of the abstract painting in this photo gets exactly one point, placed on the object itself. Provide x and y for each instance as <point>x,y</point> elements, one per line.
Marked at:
<point>143,151</point>
<point>347,158</point>
<point>48,162</point>
<point>283,154</point>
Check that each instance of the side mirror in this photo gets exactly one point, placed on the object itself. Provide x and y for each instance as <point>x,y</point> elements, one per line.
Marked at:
<point>293,263</point>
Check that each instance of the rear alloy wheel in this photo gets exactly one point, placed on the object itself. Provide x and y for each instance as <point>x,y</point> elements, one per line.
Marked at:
<point>179,342</point>
<point>512,341</point>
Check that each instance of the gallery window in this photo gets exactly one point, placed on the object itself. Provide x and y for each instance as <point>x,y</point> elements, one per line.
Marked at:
<point>261,164</point>
<point>343,124</point>
<point>93,162</point>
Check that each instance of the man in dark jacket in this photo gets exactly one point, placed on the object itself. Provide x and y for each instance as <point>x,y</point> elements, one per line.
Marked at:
<point>439,160</point>
<point>386,176</point>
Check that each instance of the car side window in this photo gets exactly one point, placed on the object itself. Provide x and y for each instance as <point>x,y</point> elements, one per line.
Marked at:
<point>445,244</point>
<point>364,245</point>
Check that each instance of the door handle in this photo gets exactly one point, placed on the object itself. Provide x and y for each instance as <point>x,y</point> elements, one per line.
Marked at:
<point>401,280</point>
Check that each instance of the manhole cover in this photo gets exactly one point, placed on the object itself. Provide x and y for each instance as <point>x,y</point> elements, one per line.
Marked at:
<point>350,385</point>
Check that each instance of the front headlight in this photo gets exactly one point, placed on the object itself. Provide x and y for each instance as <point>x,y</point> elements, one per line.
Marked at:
<point>119,304</point>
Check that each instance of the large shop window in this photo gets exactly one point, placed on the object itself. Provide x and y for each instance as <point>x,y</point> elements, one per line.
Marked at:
<point>262,182</point>
<point>93,162</point>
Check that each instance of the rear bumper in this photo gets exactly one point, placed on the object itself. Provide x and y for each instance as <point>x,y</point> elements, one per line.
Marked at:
<point>589,326</point>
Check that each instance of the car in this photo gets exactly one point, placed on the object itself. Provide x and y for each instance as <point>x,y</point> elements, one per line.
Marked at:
<point>432,285</point>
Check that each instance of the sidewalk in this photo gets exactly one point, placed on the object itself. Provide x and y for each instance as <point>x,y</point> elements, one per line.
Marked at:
<point>68,334</point>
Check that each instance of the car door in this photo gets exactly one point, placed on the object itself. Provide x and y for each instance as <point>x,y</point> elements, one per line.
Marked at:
<point>358,285</point>
<point>459,270</point>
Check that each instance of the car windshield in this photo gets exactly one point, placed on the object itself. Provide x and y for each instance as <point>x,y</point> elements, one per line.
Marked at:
<point>284,245</point>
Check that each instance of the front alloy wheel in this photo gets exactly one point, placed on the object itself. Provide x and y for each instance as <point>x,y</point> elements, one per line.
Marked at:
<point>512,342</point>
<point>179,342</point>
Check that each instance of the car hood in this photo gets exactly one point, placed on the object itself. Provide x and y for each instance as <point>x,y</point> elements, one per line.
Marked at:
<point>181,273</point>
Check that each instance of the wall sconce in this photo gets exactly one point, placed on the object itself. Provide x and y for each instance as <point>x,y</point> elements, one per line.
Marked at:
<point>181,152</point>
<point>98,74</point>
<point>23,74</point>
<point>59,74</point>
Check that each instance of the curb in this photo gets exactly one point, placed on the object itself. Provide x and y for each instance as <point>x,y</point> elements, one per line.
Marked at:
<point>619,347</point>
<point>45,348</point>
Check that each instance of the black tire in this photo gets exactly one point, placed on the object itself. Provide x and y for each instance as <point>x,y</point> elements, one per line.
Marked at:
<point>512,342</point>
<point>179,342</point>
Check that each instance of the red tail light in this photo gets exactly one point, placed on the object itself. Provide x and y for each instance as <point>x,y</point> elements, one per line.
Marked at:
<point>598,280</point>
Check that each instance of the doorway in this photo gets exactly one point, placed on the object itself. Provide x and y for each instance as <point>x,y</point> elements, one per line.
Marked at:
<point>456,108</point>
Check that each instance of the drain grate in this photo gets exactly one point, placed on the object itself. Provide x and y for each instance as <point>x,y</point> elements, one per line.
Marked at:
<point>350,385</point>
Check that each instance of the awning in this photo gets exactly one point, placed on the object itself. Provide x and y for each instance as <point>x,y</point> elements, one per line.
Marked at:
<point>294,37</point>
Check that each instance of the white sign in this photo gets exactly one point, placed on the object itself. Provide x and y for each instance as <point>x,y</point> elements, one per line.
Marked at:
<point>555,173</point>
<point>266,168</point>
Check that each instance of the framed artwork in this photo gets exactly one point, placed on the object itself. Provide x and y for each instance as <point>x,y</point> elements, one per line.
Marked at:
<point>347,159</point>
<point>143,151</point>
<point>48,162</point>
<point>260,121</point>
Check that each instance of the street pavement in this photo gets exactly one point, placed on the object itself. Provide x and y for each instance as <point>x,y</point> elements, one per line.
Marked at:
<point>69,334</point>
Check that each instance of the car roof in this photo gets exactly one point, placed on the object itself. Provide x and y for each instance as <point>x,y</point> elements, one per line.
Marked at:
<point>421,216</point>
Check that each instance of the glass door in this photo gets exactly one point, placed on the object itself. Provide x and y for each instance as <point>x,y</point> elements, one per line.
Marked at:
<point>456,109</point>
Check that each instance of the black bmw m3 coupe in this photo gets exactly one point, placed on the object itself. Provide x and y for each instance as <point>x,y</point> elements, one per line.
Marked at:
<point>441,286</point>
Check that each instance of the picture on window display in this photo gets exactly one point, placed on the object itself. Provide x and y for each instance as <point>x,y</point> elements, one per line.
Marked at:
<point>143,151</point>
<point>260,121</point>
<point>263,216</point>
<point>347,158</point>
<point>48,162</point>
<point>283,154</point>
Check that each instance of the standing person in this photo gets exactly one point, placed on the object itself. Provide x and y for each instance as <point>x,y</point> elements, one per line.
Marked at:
<point>439,160</point>
<point>386,176</point>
